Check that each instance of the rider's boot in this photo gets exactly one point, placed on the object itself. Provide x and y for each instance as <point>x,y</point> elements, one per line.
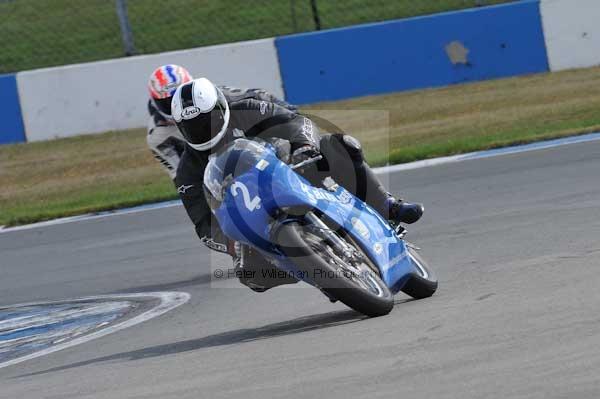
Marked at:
<point>237,255</point>
<point>403,212</point>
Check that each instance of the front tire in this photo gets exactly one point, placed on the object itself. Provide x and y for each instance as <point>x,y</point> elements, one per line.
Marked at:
<point>423,283</point>
<point>364,292</point>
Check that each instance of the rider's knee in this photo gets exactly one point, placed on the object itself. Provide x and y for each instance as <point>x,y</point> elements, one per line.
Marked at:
<point>351,146</point>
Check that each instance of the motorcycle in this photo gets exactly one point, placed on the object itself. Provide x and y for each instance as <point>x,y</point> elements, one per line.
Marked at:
<point>324,236</point>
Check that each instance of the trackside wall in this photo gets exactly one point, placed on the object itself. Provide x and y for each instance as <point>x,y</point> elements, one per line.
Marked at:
<point>111,95</point>
<point>572,31</point>
<point>11,127</point>
<point>528,36</point>
<point>437,50</point>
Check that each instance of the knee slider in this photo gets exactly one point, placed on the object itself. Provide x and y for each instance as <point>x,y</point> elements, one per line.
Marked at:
<point>353,147</point>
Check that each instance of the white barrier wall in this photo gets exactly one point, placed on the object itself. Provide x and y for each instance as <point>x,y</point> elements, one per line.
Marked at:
<point>112,95</point>
<point>572,31</point>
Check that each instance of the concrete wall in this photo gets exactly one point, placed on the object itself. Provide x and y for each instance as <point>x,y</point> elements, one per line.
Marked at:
<point>112,95</point>
<point>470,45</point>
<point>437,50</point>
<point>572,30</point>
<point>11,126</point>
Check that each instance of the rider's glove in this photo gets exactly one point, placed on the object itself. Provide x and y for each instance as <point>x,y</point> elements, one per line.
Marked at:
<point>289,106</point>
<point>303,153</point>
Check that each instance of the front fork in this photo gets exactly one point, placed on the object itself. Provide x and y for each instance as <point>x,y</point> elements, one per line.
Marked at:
<point>340,246</point>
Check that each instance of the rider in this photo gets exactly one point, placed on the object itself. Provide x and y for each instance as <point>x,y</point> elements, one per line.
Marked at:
<point>164,139</point>
<point>209,118</point>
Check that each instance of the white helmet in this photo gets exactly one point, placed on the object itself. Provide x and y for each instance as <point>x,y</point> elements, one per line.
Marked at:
<point>201,112</point>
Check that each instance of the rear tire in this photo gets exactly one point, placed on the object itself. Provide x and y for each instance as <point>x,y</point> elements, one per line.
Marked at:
<point>366,293</point>
<point>422,284</point>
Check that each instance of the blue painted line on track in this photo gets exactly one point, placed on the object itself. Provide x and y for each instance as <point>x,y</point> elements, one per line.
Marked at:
<point>533,146</point>
<point>542,145</point>
<point>73,321</point>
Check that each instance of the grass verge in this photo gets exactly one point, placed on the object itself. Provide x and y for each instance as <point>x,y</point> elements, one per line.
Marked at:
<point>45,180</point>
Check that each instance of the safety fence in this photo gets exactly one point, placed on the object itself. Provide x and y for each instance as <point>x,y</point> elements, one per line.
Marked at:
<point>42,33</point>
<point>524,37</point>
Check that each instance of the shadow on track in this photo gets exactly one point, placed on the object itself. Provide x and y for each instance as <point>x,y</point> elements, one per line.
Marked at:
<point>199,280</point>
<point>294,326</point>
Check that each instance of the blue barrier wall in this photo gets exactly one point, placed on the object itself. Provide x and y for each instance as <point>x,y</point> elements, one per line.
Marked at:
<point>11,128</point>
<point>438,50</point>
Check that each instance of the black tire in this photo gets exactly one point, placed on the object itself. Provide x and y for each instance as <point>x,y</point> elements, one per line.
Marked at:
<point>377,301</point>
<point>423,284</point>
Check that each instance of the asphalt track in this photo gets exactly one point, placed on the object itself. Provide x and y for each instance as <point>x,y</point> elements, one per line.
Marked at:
<point>515,241</point>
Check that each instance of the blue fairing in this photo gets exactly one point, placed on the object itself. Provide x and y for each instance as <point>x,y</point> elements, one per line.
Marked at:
<point>265,185</point>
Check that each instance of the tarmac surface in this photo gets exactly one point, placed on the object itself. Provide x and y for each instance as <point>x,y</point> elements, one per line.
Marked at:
<point>514,240</point>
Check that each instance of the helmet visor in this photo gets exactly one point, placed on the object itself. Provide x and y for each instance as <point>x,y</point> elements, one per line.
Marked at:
<point>163,105</point>
<point>204,127</point>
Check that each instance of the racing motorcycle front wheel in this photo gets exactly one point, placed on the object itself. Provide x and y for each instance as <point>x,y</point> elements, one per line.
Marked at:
<point>423,283</point>
<point>348,276</point>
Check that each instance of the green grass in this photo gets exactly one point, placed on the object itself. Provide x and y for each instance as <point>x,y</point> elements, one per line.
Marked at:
<point>56,32</point>
<point>65,177</point>
<point>77,175</point>
<point>101,197</point>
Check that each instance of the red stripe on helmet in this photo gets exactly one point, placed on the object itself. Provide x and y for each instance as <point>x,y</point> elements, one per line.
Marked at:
<point>162,79</point>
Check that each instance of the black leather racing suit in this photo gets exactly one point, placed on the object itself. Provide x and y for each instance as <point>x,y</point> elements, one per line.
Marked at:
<point>343,160</point>
<point>249,117</point>
<point>166,142</point>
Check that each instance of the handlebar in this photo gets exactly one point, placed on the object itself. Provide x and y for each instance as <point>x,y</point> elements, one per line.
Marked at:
<point>307,162</point>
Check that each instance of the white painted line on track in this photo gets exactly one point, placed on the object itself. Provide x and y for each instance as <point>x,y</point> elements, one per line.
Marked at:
<point>542,145</point>
<point>92,216</point>
<point>168,301</point>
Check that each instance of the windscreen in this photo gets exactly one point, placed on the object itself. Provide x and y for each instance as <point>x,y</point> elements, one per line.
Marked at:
<point>233,161</point>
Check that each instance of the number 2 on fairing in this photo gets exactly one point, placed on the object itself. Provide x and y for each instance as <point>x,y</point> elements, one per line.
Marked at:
<point>251,204</point>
